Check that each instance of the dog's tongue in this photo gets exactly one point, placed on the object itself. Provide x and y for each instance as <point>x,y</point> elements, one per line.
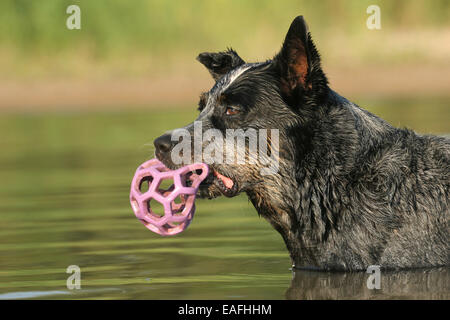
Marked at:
<point>226,181</point>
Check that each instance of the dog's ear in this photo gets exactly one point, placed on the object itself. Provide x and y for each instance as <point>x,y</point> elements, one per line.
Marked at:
<point>298,62</point>
<point>220,63</point>
<point>294,58</point>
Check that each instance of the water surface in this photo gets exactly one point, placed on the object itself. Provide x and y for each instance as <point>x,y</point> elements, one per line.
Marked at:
<point>64,183</point>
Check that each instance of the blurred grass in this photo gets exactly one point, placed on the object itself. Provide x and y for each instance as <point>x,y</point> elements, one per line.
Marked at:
<point>160,25</point>
<point>138,37</point>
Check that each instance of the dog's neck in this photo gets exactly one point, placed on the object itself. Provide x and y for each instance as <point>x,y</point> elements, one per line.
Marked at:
<point>299,211</point>
<point>304,201</point>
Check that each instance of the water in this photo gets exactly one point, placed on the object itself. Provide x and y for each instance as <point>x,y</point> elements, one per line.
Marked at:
<point>64,183</point>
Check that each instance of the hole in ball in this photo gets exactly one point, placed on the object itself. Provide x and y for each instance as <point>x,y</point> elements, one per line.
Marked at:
<point>179,199</point>
<point>155,207</point>
<point>178,204</point>
<point>166,185</point>
<point>145,183</point>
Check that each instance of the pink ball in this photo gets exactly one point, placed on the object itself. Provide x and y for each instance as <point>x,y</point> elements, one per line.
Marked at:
<point>177,215</point>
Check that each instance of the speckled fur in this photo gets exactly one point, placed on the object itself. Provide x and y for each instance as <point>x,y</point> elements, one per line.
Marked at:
<point>351,190</point>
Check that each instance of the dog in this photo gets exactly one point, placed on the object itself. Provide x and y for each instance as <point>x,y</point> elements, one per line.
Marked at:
<point>351,190</point>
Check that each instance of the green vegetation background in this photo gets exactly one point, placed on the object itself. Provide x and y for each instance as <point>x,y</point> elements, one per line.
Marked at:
<point>142,32</point>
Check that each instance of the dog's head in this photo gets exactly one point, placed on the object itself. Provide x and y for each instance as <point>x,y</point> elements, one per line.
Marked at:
<point>255,121</point>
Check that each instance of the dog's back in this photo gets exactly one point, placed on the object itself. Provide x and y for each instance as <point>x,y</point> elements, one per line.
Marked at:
<point>371,193</point>
<point>400,185</point>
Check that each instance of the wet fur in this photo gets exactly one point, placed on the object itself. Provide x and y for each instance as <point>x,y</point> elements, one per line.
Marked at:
<point>351,190</point>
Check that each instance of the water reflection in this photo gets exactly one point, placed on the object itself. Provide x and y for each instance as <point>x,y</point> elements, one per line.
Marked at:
<point>410,284</point>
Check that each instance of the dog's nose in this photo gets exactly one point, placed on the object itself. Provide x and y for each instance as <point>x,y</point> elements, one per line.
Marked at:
<point>163,143</point>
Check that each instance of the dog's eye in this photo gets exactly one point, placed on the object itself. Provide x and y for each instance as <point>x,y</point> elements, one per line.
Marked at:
<point>231,111</point>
